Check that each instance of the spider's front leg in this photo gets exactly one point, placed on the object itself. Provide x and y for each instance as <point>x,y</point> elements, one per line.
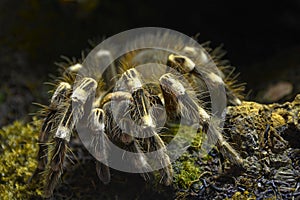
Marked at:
<point>188,106</point>
<point>120,129</point>
<point>153,143</point>
<point>70,112</point>
<point>144,124</point>
<point>60,95</point>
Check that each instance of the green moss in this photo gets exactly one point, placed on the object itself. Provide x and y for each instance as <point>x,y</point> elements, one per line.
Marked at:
<point>18,159</point>
<point>243,196</point>
<point>186,172</point>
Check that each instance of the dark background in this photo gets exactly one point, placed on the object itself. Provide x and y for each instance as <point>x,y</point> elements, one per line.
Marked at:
<point>261,38</point>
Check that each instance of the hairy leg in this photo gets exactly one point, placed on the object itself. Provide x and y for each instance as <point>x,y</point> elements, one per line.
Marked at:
<point>189,108</point>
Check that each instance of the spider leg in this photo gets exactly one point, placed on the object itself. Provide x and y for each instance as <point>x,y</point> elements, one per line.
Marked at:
<point>104,58</point>
<point>147,124</point>
<point>189,108</point>
<point>71,111</point>
<point>154,143</point>
<point>119,128</point>
<point>99,143</point>
<point>186,104</point>
<point>184,65</point>
<point>60,95</point>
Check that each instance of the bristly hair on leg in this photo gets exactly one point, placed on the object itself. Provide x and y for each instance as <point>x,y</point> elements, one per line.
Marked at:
<point>235,90</point>
<point>55,168</point>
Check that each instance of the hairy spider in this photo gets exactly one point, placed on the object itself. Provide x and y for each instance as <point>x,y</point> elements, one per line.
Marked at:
<point>121,111</point>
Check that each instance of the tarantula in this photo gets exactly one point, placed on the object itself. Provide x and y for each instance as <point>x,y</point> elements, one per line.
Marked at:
<point>131,105</point>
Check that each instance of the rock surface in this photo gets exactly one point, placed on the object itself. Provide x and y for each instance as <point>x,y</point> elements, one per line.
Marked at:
<point>266,136</point>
